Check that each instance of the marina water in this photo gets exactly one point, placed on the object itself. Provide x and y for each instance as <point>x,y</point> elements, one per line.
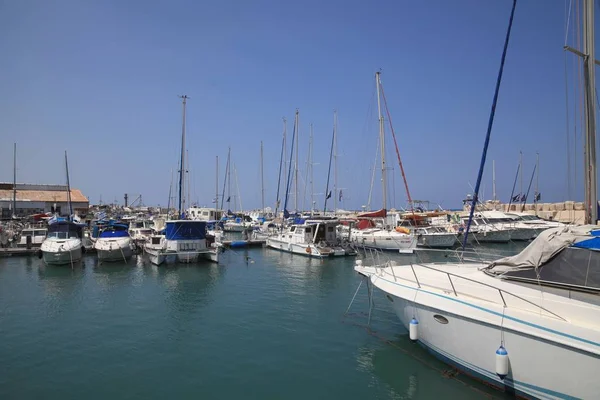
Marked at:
<point>261,325</point>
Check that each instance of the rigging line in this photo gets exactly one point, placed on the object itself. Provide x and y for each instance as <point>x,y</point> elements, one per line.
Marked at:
<point>568,20</point>
<point>225,179</point>
<point>372,178</point>
<point>514,185</point>
<point>329,172</point>
<point>569,194</point>
<point>287,188</point>
<point>387,110</point>
<point>580,84</point>
<point>528,189</point>
<point>490,124</point>
<point>280,166</point>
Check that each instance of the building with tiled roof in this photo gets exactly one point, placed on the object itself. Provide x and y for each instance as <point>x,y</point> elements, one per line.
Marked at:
<point>36,199</point>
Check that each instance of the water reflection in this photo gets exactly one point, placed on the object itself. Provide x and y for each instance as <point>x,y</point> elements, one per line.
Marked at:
<point>410,372</point>
<point>62,285</point>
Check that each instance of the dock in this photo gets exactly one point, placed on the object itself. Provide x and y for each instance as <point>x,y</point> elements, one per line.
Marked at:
<point>18,251</point>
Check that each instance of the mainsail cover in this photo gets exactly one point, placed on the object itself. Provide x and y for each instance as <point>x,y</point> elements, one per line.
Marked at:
<point>546,246</point>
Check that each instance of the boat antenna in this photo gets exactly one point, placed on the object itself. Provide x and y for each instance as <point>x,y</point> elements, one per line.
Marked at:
<point>490,124</point>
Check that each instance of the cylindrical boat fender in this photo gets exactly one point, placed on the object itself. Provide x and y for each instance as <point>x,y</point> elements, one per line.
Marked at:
<point>39,253</point>
<point>413,329</point>
<point>501,362</point>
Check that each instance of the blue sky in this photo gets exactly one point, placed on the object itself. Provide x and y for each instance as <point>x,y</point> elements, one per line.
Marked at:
<point>101,80</point>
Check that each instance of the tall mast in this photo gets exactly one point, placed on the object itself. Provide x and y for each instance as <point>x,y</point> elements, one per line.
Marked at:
<point>297,122</point>
<point>187,171</point>
<point>14,203</point>
<point>591,195</point>
<point>521,173</point>
<point>262,180</point>
<point>537,179</point>
<point>281,166</point>
<point>381,141</point>
<point>311,176</point>
<point>494,180</point>
<point>182,162</point>
<point>238,188</point>
<point>285,161</point>
<point>335,171</point>
<point>229,180</point>
<point>68,188</point>
<point>217,188</point>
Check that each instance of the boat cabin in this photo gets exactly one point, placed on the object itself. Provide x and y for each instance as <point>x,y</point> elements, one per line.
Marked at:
<point>65,230</point>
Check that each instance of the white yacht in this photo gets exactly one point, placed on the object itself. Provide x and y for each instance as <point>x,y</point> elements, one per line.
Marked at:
<point>313,238</point>
<point>185,242</point>
<point>33,236</point>
<point>239,224</point>
<point>493,320</point>
<point>534,222</point>
<point>114,243</point>
<point>502,221</point>
<point>63,244</point>
<point>485,232</point>
<point>155,247</point>
<point>435,237</point>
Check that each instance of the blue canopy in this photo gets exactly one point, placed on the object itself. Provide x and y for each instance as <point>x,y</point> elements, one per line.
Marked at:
<point>185,230</point>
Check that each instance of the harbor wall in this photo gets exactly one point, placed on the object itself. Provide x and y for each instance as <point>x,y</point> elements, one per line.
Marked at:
<point>567,211</point>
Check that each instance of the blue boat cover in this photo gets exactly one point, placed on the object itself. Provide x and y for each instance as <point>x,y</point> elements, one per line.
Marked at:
<point>108,233</point>
<point>185,230</point>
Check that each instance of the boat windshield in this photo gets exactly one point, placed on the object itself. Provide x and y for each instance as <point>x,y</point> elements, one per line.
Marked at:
<point>62,235</point>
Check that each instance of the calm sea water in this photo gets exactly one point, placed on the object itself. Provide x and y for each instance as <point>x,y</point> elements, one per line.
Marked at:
<point>263,325</point>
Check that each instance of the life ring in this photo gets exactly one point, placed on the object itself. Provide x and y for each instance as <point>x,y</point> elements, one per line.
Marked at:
<point>308,250</point>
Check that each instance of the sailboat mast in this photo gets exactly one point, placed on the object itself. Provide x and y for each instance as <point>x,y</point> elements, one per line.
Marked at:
<point>311,176</point>
<point>187,171</point>
<point>182,161</point>
<point>591,195</point>
<point>262,180</point>
<point>14,202</point>
<point>381,141</point>
<point>217,188</point>
<point>521,173</point>
<point>537,178</point>
<point>68,187</point>
<point>229,180</point>
<point>335,171</point>
<point>297,122</point>
<point>238,188</point>
<point>494,180</point>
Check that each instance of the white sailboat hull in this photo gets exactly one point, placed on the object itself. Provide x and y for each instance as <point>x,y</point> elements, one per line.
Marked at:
<point>384,240</point>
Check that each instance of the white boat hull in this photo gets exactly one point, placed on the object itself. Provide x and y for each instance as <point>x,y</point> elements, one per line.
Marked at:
<point>464,322</point>
<point>61,251</point>
<point>156,256</point>
<point>384,240</point>
<point>491,236</point>
<point>436,240</point>
<point>470,346</point>
<point>309,250</point>
<point>113,249</point>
